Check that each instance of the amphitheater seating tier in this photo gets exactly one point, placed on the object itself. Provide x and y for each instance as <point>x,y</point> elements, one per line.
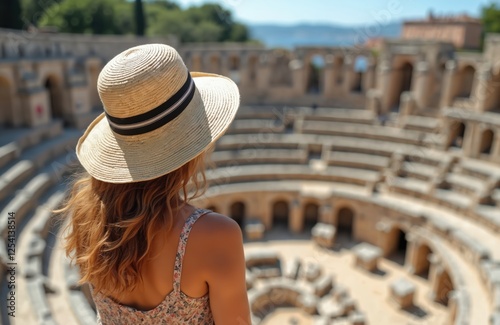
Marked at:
<point>250,173</point>
<point>420,123</point>
<point>357,160</point>
<point>448,206</point>
<point>259,156</point>
<point>374,132</point>
<point>14,141</point>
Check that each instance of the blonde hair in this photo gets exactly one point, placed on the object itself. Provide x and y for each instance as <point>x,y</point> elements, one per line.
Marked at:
<point>111,226</point>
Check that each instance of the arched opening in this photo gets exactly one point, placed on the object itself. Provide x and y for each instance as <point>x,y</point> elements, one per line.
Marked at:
<point>467,81</point>
<point>237,212</point>
<point>5,103</point>
<point>281,75</point>
<point>95,101</point>
<point>402,242</point>
<point>252,69</point>
<point>345,221</point>
<point>444,288</point>
<point>406,77</point>
<point>423,264</point>
<point>196,63</point>
<point>215,65</point>
<point>234,63</point>
<point>311,213</point>
<point>457,135</point>
<point>403,79</point>
<point>399,246</point>
<point>234,68</point>
<point>360,68</point>
<point>280,214</point>
<point>315,74</point>
<point>487,142</point>
<point>339,70</point>
<point>54,89</point>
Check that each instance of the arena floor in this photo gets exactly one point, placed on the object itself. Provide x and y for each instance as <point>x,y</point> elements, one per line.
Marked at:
<point>369,290</point>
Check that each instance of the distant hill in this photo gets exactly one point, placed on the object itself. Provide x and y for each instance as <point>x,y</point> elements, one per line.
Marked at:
<point>321,34</point>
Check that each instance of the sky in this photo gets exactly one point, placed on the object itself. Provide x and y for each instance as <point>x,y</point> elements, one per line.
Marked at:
<point>347,12</point>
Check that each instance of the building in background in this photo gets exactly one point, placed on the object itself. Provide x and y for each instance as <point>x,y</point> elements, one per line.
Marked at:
<point>463,31</point>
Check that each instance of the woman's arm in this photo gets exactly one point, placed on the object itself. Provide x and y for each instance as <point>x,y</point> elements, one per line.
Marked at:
<point>226,273</point>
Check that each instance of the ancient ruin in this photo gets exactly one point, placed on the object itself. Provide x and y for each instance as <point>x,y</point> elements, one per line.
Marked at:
<point>395,153</point>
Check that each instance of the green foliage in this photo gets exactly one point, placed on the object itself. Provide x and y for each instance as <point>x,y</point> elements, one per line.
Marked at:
<point>491,18</point>
<point>90,17</point>
<point>203,23</point>
<point>33,10</point>
<point>10,14</point>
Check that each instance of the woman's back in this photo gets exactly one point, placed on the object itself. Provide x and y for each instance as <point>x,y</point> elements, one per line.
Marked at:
<point>144,162</point>
<point>175,288</point>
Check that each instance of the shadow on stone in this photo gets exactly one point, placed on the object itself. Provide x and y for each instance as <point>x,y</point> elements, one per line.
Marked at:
<point>379,272</point>
<point>416,311</point>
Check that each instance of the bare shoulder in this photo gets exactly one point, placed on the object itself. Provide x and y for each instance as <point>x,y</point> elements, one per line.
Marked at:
<point>214,226</point>
<point>218,246</point>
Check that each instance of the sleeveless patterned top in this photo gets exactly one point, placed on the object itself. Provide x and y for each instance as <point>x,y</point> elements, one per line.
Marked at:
<point>176,308</point>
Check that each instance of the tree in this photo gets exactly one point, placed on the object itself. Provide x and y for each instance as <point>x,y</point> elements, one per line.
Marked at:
<point>491,18</point>
<point>140,23</point>
<point>10,14</point>
<point>33,10</point>
<point>205,23</point>
<point>90,17</point>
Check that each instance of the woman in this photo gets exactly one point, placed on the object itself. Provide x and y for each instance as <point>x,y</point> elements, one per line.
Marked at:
<point>130,217</point>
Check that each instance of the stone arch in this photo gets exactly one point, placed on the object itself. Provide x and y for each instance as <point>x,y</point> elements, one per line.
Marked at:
<point>360,68</point>
<point>281,75</point>
<point>253,62</point>
<point>486,142</point>
<point>339,70</point>
<point>237,211</point>
<point>444,287</point>
<point>281,213</point>
<point>93,73</point>
<point>311,214</point>
<point>196,63</point>
<point>345,221</point>
<point>466,81</point>
<point>399,245</point>
<point>6,102</point>
<point>422,263</point>
<point>234,63</point>
<point>315,74</point>
<point>457,135</point>
<point>402,81</point>
<point>234,68</point>
<point>53,85</point>
<point>215,64</point>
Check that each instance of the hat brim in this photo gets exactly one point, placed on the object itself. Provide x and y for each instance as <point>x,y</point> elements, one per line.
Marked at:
<point>115,158</point>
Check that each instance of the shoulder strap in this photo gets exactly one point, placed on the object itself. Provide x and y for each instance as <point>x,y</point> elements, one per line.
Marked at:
<point>181,248</point>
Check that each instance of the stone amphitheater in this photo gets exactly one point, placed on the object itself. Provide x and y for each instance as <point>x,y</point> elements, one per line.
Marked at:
<point>366,183</point>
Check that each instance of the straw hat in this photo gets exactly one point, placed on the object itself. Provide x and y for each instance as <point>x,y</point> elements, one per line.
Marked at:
<point>157,116</point>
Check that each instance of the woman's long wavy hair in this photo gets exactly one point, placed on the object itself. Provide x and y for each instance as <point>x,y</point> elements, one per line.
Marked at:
<point>112,226</point>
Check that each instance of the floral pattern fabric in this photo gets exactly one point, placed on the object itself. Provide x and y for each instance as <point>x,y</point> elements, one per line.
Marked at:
<point>177,307</point>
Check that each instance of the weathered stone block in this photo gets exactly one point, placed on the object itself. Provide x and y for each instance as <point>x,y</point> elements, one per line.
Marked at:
<point>367,256</point>
<point>402,292</point>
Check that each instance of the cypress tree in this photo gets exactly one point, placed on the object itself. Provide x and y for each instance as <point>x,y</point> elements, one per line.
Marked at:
<point>140,21</point>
